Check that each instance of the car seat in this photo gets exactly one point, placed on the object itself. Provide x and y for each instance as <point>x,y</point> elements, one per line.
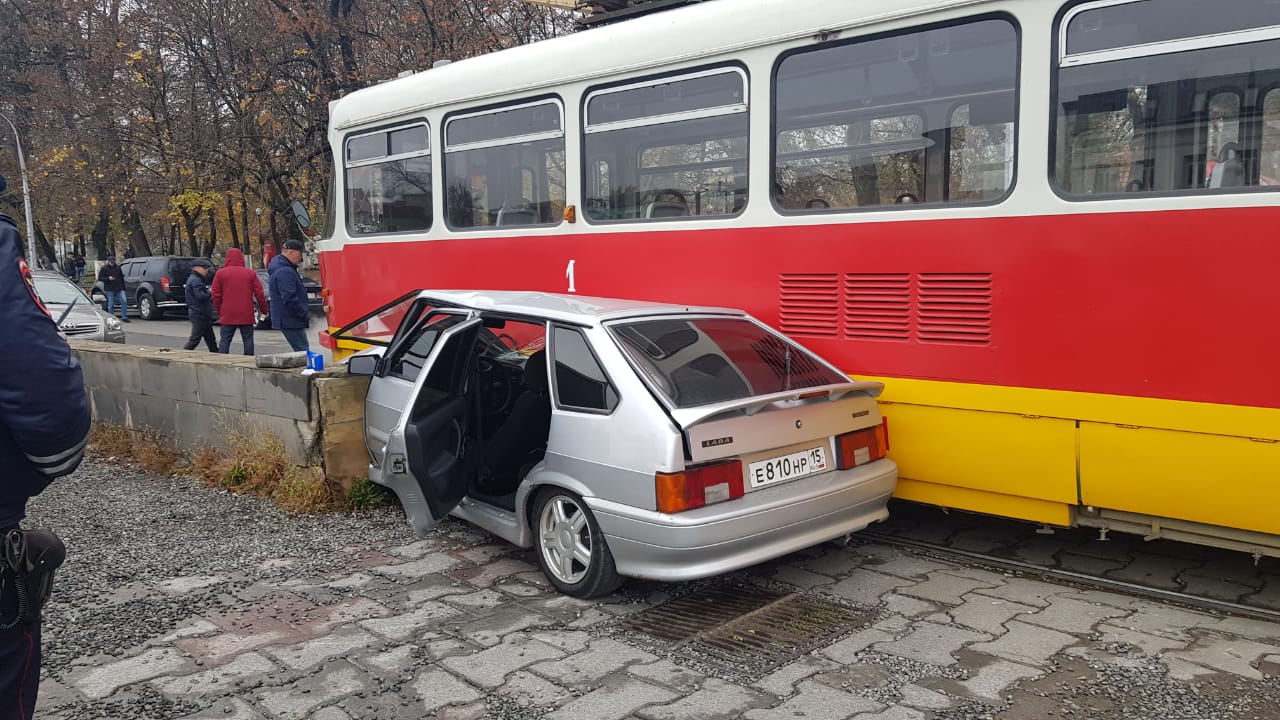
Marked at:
<point>523,434</point>
<point>516,214</point>
<point>1229,170</point>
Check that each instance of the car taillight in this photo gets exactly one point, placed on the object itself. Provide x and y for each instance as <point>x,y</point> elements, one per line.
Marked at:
<point>861,446</point>
<point>698,486</point>
<point>164,284</point>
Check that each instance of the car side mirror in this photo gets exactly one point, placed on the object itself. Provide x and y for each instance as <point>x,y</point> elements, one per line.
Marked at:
<point>363,365</point>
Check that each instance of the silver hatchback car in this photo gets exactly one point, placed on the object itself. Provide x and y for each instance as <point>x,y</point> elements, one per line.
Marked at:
<point>618,438</point>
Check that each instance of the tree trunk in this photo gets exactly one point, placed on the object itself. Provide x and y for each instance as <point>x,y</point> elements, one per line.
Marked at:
<point>231,222</point>
<point>133,229</point>
<point>212,242</point>
<point>101,229</point>
<point>45,248</point>
<point>189,223</point>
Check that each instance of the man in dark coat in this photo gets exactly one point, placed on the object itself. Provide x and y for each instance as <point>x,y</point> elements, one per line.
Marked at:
<point>200,306</point>
<point>44,427</point>
<point>112,278</point>
<point>289,312</point>
<point>69,265</point>
<point>235,289</point>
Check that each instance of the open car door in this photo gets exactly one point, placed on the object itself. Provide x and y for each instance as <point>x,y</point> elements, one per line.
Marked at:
<point>430,460</point>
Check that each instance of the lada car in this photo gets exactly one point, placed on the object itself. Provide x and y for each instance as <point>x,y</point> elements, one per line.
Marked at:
<point>617,438</point>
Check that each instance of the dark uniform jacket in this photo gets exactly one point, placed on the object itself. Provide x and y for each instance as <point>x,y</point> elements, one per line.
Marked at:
<point>44,412</point>
<point>199,298</point>
<point>288,296</point>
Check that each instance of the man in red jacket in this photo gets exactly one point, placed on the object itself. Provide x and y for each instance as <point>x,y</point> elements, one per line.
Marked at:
<point>235,288</point>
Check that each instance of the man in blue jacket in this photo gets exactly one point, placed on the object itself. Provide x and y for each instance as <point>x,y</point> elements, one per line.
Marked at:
<point>288,296</point>
<point>44,427</point>
<point>200,306</point>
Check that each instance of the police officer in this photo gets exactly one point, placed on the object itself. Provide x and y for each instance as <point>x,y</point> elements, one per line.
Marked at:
<point>44,427</point>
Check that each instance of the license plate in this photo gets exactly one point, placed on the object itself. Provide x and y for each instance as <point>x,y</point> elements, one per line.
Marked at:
<point>787,467</point>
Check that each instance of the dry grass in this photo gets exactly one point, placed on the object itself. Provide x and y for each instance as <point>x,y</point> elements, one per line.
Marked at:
<point>146,449</point>
<point>251,465</point>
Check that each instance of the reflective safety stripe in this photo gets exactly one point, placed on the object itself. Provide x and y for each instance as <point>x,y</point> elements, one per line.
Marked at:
<point>62,462</point>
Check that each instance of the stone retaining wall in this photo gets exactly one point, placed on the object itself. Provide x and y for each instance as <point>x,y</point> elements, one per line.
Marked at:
<point>197,399</point>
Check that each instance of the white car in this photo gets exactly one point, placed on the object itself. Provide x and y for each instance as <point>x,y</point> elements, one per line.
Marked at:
<point>618,438</point>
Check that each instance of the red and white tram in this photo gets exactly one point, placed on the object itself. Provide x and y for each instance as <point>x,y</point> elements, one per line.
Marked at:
<point>1044,225</point>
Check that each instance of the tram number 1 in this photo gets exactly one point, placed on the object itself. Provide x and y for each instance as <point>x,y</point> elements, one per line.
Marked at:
<point>568,275</point>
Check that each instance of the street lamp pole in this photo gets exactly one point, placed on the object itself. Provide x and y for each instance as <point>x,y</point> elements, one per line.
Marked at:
<point>26,194</point>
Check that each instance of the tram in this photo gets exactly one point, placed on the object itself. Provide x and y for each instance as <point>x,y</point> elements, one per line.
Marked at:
<point>1047,227</point>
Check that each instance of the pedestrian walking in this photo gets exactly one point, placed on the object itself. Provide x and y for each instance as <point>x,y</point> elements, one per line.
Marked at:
<point>44,427</point>
<point>69,265</point>
<point>200,306</point>
<point>80,264</point>
<point>235,290</point>
<point>112,278</point>
<point>289,312</point>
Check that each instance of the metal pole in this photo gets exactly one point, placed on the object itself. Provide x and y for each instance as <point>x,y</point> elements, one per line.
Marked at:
<point>26,195</point>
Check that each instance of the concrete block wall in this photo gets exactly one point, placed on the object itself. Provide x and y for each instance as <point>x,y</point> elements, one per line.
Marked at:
<point>199,399</point>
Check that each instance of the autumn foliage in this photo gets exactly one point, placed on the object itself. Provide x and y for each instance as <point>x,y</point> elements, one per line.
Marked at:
<point>174,126</point>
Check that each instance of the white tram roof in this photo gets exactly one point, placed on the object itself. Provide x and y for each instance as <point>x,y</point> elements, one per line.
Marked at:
<point>577,309</point>
<point>661,39</point>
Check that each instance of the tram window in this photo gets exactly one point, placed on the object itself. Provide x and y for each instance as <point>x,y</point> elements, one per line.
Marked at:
<point>1270,160</point>
<point>388,181</point>
<point>1107,25</point>
<point>506,167</point>
<point>866,163</point>
<point>674,147</point>
<point>925,116</point>
<point>981,156</point>
<point>1153,99</point>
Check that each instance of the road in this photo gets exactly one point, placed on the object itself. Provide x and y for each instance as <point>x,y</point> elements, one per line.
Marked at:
<point>173,331</point>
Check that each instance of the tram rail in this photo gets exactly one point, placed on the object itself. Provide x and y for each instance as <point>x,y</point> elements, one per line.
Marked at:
<point>1097,581</point>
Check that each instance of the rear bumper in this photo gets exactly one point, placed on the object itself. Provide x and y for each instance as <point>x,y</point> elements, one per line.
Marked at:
<point>760,526</point>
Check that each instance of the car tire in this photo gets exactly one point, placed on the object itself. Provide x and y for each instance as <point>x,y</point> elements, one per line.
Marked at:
<point>147,307</point>
<point>570,547</point>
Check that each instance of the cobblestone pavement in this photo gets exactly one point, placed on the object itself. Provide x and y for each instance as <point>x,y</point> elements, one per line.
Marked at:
<point>459,625</point>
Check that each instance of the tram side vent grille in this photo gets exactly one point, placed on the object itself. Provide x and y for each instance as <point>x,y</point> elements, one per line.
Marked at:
<point>877,306</point>
<point>809,304</point>
<point>954,308</point>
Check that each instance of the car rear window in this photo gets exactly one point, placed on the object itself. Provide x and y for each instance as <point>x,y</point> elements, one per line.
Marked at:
<point>702,361</point>
<point>179,270</point>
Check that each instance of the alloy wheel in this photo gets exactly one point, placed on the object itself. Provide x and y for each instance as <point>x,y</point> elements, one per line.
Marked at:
<point>566,541</point>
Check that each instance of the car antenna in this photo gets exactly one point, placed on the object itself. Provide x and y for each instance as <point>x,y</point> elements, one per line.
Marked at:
<point>63,316</point>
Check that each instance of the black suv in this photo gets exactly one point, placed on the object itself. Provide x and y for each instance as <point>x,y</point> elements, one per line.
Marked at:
<point>153,284</point>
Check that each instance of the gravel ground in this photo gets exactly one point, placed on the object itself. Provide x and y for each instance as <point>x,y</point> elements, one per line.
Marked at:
<point>127,532</point>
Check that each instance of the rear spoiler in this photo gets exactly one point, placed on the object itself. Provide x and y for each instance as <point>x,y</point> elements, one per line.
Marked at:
<point>688,417</point>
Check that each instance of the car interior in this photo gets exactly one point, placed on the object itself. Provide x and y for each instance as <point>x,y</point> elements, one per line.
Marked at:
<point>512,417</point>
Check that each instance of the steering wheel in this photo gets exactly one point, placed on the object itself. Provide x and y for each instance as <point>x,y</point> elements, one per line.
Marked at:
<point>672,192</point>
<point>509,341</point>
<point>498,387</point>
